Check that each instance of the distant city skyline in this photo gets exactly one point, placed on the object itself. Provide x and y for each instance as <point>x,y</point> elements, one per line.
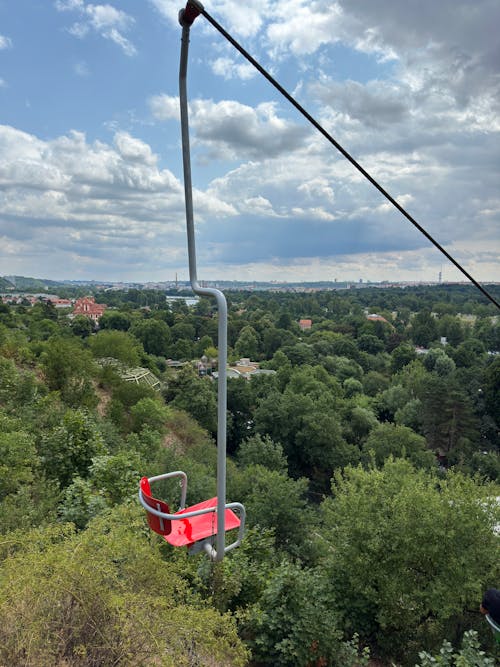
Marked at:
<point>90,160</point>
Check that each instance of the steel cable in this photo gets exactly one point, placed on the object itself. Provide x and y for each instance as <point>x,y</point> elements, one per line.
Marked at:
<point>341,149</point>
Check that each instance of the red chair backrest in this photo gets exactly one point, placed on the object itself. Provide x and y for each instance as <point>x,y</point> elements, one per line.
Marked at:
<point>156,523</point>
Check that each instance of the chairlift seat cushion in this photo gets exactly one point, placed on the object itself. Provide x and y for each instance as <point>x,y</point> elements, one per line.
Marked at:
<point>186,531</point>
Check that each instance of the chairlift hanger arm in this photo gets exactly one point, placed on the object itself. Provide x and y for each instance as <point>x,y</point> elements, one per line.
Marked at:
<point>194,8</point>
<point>186,18</point>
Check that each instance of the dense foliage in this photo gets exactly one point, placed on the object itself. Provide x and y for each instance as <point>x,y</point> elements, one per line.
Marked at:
<point>367,456</point>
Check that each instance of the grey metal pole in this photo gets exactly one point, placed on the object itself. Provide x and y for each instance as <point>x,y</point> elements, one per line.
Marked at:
<point>218,555</point>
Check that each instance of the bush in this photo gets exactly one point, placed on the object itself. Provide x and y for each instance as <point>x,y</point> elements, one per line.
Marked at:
<point>470,655</point>
<point>105,597</point>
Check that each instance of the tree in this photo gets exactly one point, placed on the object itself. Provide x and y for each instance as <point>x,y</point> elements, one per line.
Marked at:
<point>437,360</point>
<point>352,387</point>
<point>343,368</point>
<point>289,626</point>
<point>342,346</point>
<point>469,353</point>
<point>154,335</point>
<point>488,333</point>
<point>118,345</point>
<point>17,387</point>
<point>18,461</point>
<point>182,350</point>
<point>43,329</point>
<point>44,310</point>
<point>240,404</point>
<point>112,479</point>
<point>183,331</point>
<point>203,344</point>
<point>451,327</point>
<point>82,326</point>
<point>194,395</point>
<point>248,343</point>
<point>423,328</point>
<point>261,450</point>
<point>148,412</point>
<point>400,442</point>
<point>391,400</point>
<point>410,414</point>
<point>273,339</point>
<point>374,382</point>
<point>492,389</point>
<point>303,418</point>
<point>68,449</point>
<point>273,500</point>
<point>370,343</point>
<point>444,365</point>
<point>357,424</point>
<point>69,368</point>
<point>113,319</point>
<point>402,355</point>
<point>448,420</point>
<point>299,354</point>
<point>410,553</point>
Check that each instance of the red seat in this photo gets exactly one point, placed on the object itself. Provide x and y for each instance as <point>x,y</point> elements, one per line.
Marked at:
<point>184,532</point>
<point>156,523</point>
<point>187,531</point>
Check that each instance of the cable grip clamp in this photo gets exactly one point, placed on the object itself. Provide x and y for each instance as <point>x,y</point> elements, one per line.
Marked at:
<point>187,15</point>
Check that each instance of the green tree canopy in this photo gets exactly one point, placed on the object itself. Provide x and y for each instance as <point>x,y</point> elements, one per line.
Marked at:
<point>113,319</point>
<point>68,368</point>
<point>195,395</point>
<point>154,335</point>
<point>118,345</point>
<point>410,553</point>
<point>248,343</point>
<point>387,440</point>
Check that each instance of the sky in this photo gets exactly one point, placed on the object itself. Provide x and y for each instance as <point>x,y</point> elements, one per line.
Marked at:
<point>91,183</point>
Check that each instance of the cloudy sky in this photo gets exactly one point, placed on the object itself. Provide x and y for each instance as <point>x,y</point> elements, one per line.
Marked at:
<point>90,158</point>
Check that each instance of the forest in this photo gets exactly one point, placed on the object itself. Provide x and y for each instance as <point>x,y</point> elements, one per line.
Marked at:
<point>367,457</point>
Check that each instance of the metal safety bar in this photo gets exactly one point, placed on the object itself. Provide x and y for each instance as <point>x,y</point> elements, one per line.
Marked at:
<point>186,18</point>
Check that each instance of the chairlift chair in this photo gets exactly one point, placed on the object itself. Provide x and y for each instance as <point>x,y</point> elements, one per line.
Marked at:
<point>193,527</point>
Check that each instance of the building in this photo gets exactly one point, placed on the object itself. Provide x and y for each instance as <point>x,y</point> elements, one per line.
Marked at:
<point>305,324</point>
<point>87,307</point>
<point>61,303</point>
<point>373,317</point>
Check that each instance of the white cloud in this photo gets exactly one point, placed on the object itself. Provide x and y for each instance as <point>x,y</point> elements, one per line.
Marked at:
<point>303,27</point>
<point>134,149</point>
<point>110,208</point>
<point>276,198</point>
<point>245,19</point>
<point>168,8</point>
<point>231,130</point>
<point>165,107</point>
<point>317,188</point>
<point>68,5</point>
<point>5,42</point>
<point>106,20</point>
<point>229,69</point>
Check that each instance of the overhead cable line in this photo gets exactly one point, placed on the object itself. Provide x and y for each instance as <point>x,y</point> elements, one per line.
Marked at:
<point>194,8</point>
